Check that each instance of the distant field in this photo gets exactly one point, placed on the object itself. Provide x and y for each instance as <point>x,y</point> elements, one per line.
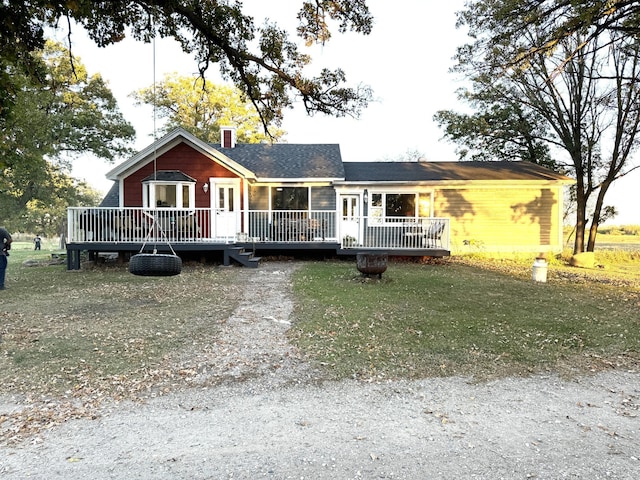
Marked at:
<point>625,242</point>
<point>625,237</point>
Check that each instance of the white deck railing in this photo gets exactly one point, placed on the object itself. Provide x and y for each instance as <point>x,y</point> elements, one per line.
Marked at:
<point>117,225</point>
<point>137,224</point>
<point>396,233</point>
<point>291,225</point>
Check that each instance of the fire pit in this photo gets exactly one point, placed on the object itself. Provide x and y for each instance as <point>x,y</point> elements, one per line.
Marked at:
<point>371,263</point>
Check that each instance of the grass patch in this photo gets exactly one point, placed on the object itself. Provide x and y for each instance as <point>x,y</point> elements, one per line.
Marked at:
<point>461,318</point>
<point>105,332</point>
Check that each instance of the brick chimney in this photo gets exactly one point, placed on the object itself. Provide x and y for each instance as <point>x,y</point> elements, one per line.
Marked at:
<point>227,137</point>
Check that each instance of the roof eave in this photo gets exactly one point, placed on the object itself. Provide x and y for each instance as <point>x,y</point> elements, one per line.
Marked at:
<point>459,183</point>
<point>299,180</point>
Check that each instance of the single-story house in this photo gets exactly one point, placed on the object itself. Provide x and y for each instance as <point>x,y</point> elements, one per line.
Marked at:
<point>190,196</point>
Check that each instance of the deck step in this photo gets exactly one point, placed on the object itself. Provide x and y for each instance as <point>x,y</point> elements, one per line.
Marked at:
<point>241,256</point>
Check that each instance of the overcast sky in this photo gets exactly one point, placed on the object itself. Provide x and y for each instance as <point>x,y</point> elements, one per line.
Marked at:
<point>406,61</point>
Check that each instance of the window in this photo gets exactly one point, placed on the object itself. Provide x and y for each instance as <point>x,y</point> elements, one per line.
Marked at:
<point>186,198</point>
<point>169,195</point>
<point>375,208</point>
<point>165,195</point>
<point>258,197</point>
<point>424,205</point>
<point>389,207</point>
<point>400,205</point>
<point>226,198</point>
<point>290,198</point>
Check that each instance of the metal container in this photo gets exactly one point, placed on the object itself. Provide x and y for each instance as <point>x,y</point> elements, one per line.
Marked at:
<point>371,263</point>
<point>539,272</point>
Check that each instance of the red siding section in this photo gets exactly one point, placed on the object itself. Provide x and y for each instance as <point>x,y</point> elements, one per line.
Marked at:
<point>185,159</point>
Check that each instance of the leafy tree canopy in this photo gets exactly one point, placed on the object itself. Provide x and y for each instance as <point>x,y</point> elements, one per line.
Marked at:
<point>202,107</point>
<point>502,127</point>
<point>262,62</point>
<point>64,114</point>
<point>497,23</point>
<point>47,215</point>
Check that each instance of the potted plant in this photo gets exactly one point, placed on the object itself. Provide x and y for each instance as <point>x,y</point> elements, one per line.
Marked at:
<point>349,241</point>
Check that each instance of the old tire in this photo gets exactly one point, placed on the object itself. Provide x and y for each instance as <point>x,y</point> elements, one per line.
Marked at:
<point>155,265</point>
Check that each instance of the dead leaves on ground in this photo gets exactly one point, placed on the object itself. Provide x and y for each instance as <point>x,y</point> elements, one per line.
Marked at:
<point>106,337</point>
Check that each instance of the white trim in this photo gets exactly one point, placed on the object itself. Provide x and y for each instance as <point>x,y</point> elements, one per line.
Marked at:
<point>224,129</point>
<point>121,192</point>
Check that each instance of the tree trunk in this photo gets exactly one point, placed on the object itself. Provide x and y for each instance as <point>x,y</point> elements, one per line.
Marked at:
<point>595,222</point>
<point>581,221</point>
<point>597,213</point>
<point>578,245</point>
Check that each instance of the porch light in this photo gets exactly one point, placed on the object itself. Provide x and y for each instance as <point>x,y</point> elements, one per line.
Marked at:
<point>205,187</point>
<point>365,196</point>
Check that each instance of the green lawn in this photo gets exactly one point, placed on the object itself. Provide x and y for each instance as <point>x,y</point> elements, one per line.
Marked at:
<point>477,318</point>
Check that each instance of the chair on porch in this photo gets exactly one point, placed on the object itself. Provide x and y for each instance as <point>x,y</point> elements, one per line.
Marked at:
<point>316,229</point>
<point>433,237</point>
<point>130,228</point>
<point>187,226</point>
<point>413,234</point>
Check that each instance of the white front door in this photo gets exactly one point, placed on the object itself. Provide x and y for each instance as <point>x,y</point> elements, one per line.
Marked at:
<point>225,198</point>
<point>350,220</point>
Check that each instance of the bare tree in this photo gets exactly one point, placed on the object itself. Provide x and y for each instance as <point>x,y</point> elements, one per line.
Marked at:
<point>581,99</point>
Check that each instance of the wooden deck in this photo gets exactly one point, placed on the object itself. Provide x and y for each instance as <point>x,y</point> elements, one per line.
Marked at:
<point>220,250</point>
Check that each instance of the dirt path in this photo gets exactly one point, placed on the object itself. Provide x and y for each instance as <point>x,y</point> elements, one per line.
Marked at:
<point>252,343</point>
<point>261,412</point>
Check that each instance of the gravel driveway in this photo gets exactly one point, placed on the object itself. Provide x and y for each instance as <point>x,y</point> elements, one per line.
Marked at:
<point>262,412</point>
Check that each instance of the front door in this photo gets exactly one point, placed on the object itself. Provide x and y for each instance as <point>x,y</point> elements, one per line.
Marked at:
<point>225,193</point>
<point>350,221</point>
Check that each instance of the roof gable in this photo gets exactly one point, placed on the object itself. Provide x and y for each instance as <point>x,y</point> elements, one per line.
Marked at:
<point>168,142</point>
<point>281,161</point>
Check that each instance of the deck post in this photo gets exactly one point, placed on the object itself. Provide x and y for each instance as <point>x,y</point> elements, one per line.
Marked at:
<point>73,259</point>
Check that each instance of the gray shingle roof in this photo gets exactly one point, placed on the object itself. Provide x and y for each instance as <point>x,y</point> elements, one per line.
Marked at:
<point>446,171</point>
<point>295,161</point>
<point>288,161</point>
<point>112,198</point>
